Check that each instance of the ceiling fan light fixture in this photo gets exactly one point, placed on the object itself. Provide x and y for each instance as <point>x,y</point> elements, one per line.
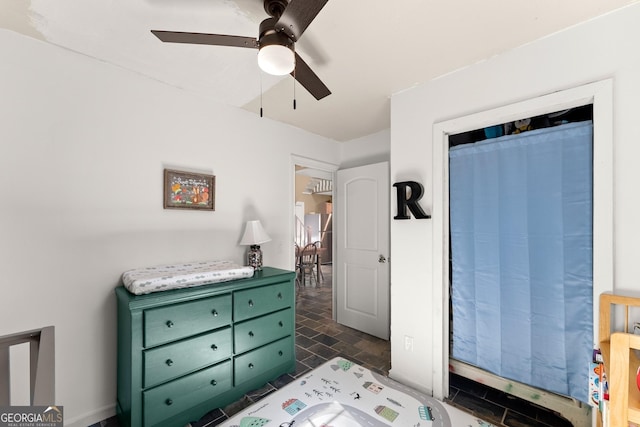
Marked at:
<point>276,59</point>
<point>276,40</point>
<point>276,55</point>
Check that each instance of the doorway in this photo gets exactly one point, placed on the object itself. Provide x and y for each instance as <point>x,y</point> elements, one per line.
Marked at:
<point>358,230</point>
<point>598,94</point>
<point>521,252</point>
<point>313,219</point>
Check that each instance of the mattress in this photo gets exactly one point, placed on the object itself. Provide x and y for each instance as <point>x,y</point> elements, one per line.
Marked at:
<point>176,276</point>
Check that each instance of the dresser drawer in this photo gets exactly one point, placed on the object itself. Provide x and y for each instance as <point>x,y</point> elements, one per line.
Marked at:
<point>261,360</point>
<point>262,330</point>
<point>176,359</point>
<point>169,399</point>
<point>258,301</point>
<point>165,324</point>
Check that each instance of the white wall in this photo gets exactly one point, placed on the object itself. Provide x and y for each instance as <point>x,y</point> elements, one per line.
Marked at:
<point>600,49</point>
<point>367,150</point>
<point>82,151</point>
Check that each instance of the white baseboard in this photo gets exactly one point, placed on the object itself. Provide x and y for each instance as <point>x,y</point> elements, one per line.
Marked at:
<point>91,418</point>
<point>409,383</point>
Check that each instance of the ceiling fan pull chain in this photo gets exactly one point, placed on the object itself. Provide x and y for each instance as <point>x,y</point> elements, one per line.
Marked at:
<point>294,85</point>
<point>260,94</point>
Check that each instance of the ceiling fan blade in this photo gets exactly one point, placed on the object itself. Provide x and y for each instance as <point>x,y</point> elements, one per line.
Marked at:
<point>309,80</point>
<point>298,15</point>
<point>202,38</point>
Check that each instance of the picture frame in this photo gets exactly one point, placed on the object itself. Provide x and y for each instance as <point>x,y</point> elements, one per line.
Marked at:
<point>188,190</point>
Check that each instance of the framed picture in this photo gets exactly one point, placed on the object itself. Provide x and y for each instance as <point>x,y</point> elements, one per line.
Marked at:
<point>186,190</point>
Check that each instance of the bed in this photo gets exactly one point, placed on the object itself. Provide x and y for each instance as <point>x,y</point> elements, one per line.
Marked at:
<point>146,280</point>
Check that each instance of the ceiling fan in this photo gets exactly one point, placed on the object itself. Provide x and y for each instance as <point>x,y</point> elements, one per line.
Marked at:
<point>276,41</point>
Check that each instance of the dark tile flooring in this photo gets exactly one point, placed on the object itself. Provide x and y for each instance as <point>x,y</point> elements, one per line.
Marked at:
<point>319,338</point>
<point>499,408</point>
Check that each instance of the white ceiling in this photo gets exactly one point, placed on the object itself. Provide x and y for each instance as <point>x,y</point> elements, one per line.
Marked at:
<point>363,50</point>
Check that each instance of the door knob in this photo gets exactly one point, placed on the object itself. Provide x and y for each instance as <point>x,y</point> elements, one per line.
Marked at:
<point>382,259</point>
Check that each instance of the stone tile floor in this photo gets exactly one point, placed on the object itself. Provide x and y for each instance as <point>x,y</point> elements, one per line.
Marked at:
<point>319,338</point>
<point>499,408</point>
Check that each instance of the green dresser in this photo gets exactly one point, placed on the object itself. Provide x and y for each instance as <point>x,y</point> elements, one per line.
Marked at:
<point>182,353</point>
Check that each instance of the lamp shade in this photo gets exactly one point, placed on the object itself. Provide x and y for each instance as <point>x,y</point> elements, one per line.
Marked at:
<point>254,234</point>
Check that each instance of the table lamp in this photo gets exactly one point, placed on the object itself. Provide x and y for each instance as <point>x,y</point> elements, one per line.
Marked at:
<point>254,235</point>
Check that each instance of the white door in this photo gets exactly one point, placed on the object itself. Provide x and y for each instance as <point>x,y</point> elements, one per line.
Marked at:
<point>362,233</point>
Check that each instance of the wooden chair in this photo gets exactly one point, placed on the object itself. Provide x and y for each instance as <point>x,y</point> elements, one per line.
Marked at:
<point>308,263</point>
<point>297,263</point>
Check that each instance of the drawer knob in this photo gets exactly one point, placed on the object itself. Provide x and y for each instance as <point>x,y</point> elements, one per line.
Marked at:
<point>214,312</point>
<point>250,303</point>
<point>251,334</point>
<point>280,353</point>
<point>279,295</point>
<point>214,347</point>
<point>169,402</point>
<point>250,365</point>
<point>169,362</point>
<point>214,382</point>
<point>280,324</point>
<point>169,324</point>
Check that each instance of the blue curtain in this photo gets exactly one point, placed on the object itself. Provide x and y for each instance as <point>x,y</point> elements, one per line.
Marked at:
<point>521,246</point>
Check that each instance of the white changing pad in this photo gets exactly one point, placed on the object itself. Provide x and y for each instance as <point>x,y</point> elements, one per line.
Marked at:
<point>175,276</point>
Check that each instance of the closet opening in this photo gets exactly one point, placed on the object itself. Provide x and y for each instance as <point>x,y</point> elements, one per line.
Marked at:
<point>514,226</point>
<point>570,115</point>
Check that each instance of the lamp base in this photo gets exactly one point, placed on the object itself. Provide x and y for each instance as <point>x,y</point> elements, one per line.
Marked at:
<point>254,257</point>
